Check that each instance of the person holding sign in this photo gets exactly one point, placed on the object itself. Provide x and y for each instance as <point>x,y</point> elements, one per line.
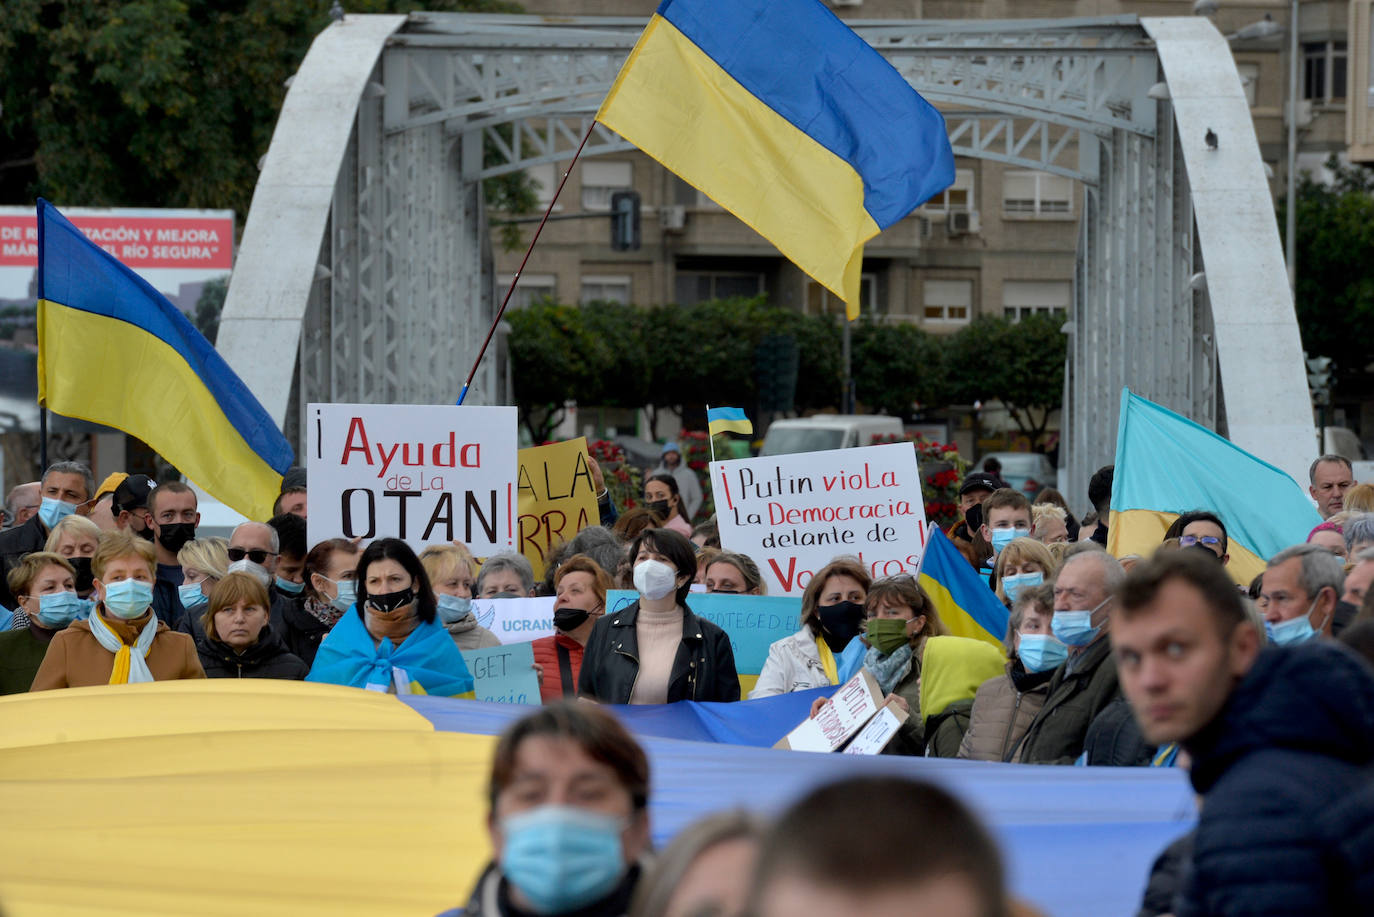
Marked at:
<point>824,652</point>
<point>656,650</point>
<point>450,571</point>
<point>390,640</point>
<point>661,495</point>
<point>580,586</point>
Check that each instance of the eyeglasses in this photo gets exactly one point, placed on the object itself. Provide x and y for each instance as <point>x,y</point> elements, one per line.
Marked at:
<point>1188,541</point>
<point>256,555</point>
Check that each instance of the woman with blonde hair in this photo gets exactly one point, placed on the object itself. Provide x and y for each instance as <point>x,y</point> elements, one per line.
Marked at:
<point>76,538</point>
<point>452,572</point>
<point>204,562</point>
<point>1022,564</point>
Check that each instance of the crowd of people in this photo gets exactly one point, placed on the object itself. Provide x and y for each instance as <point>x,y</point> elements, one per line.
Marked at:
<point>1263,690</point>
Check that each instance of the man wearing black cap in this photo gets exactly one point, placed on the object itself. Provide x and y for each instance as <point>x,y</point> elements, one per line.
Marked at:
<point>977,487</point>
<point>130,505</point>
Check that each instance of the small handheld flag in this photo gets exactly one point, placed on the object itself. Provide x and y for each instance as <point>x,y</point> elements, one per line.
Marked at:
<point>728,420</point>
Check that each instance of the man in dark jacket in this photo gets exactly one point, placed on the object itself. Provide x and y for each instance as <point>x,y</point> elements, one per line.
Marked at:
<point>1085,684</point>
<point>1281,739</point>
<point>65,486</point>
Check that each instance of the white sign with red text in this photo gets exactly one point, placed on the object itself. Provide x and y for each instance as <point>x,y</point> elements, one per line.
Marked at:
<point>427,474</point>
<point>793,513</point>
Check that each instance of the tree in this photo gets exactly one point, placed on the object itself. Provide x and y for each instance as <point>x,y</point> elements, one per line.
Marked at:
<point>1020,364</point>
<point>554,359</point>
<point>896,367</point>
<point>209,305</point>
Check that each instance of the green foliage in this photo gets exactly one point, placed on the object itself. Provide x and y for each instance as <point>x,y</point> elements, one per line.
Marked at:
<point>1335,251</point>
<point>895,367</point>
<point>555,358</point>
<point>1019,363</point>
<point>209,305</point>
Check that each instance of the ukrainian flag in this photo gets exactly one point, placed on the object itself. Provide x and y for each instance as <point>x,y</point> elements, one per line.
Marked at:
<point>1167,465</point>
<point>728,420</point>
<point>965,604</point>
<point>114,351</point>
<point>783,116</point>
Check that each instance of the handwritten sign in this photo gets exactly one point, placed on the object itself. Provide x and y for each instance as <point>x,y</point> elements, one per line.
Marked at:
<point>753,622</point>
<point>852,706</point>
<point>873,738</point>
<point>557,498</point>
<point>421,473</point>
<point>516,620</point>
<point>794,513</point>
<point>504,674</point>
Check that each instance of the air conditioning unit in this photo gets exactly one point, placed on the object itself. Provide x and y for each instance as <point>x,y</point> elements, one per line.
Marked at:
<point>963,222</point>
<point>672,218</point>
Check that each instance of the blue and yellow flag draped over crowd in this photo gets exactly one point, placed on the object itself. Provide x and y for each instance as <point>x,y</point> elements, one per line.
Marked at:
<point>113,350</point>
<point>1167,465</point>
<point>786,118</point>
<point>965,604</point>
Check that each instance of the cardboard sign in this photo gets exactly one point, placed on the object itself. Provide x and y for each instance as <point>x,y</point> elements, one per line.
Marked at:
<point>504,674</point>
<point>793,513</point>
<point>850,708</point>
<point>516,620</point>
<point>557,498</point>
<point>754,622</point>
<point>873,738</point>
<point>423,473</point>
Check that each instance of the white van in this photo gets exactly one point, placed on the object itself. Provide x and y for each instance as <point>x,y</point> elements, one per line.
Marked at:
<point>827,431</point>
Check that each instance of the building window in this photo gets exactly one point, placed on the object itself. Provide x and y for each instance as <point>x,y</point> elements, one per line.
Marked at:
<point>958,196</point>
<point>1036,194</point>
<point>1323,71</point>
<point>602,179</point>
<point>1021,298</point>
<point>545,177</point>
<point>1249,82</point>
<point>531,288</point>
<point>947,301</point>
<point>599,288</point>
<point>820,301</point>
<point>692,287</point>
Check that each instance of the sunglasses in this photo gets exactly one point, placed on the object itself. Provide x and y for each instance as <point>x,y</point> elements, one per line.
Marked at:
<point>1188,541</point>
<point>256,555</point>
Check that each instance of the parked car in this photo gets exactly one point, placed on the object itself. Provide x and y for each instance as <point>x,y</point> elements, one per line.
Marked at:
<point>827,431</point>
<point>1028,472</point>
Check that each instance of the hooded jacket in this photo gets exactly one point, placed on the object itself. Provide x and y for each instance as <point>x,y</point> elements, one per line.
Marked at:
<point>1286,771</point>
<point>952,668</point>
<point>268,658</point>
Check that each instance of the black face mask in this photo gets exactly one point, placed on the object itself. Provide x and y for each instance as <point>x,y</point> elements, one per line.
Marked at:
<point>85,578</point>
<point>660,507</point>
<point>840,623</point>
<point>568,619</point>
<point>973,518</point>
<point>1341,615</point>
<point>146,532</point>
<point>174,535</point>
<point>388,602</point>
<point>1209,552</point>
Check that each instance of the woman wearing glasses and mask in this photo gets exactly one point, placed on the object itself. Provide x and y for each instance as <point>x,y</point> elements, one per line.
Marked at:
<point>391,640</point>
<point>825,651</point>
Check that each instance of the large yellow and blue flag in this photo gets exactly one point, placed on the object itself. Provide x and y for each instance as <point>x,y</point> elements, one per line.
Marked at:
<point>728,420</point>
<point>1167,465</point>
<point>784,116</point>
<point>113,350</point>
<point>964,602</point>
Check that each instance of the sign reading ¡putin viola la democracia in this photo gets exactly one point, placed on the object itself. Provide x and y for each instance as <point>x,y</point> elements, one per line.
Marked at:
<point>427,474</point>
<point>793,513</point>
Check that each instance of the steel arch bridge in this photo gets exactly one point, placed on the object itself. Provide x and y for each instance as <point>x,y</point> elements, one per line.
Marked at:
<point>364,272</point>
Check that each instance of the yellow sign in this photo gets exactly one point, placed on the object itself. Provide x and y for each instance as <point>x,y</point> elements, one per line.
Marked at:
<point>557,498</point>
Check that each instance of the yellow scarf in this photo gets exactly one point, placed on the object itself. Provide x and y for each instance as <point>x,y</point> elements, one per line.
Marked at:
<point>832,672</point>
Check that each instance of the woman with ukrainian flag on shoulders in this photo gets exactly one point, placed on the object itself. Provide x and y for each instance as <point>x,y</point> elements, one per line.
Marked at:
<point>390,639</point>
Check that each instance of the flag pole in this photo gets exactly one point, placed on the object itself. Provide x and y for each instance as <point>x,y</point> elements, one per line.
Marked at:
<point>516,279</point>
<point>42,440</point>
<point>710,437</point>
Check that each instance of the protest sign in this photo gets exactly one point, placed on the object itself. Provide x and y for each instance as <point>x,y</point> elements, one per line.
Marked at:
<point>504,674</point>
<point>754,622</point>
<point>873,738</point>
<point>516,620</point>
<point>557,498</point>
<point>850,708</point>
<point>793,513</point>
<point>421,473</point>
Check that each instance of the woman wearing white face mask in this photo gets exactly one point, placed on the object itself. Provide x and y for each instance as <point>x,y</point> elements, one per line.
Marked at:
<point>449,568</point>
<point>122,641</point>
<point>330,576</point>
<point>657,651</point>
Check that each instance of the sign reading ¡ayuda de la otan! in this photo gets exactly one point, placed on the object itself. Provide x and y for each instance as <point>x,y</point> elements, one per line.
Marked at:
<point>794,513</point>
<point>427,474</point>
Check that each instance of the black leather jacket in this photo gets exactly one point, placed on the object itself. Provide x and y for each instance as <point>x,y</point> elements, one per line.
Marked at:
<point>703,670</point>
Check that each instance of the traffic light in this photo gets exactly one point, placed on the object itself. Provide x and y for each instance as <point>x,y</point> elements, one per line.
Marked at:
<point>625,221</point>
<point>1319,378</point>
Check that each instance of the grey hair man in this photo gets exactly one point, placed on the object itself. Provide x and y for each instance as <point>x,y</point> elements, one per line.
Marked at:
<point>1302,585</point>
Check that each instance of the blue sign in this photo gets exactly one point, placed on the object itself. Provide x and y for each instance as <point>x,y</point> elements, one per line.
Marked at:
<point>504,674</point>
<point>754,622</point>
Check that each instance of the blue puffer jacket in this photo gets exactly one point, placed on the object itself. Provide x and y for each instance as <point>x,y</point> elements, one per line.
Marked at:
<point>1287,777</point>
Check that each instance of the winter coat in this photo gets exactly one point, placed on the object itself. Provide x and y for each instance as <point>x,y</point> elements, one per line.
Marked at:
<point>793,664</point>
<point>1286,772</point>
<point>167,597</point>
<point>1114,739</point>
<point>75,659</point>
<point>703,670</point>
<point>469,635</point>
<point>1059,731</point>
<point>1003,709</point>
<point>1166,876</point>
<point>300,631</point>
<point>21,653</point>
<point>14,544</point>
<point>952,669</point>
<point>491,898</point>
<point>559,680</point>
<point>268,658</point>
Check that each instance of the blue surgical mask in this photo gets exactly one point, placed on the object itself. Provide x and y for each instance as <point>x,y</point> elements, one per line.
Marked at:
<point>1012,585</point>
<point>53,511</point>
<point>348,593</point>
<point>192,597</point>
<point>128,598</point>
<point>290,588</point>
<point>562,858</point>
<point>453,608</point>
<point>1293,631</point>
<point>1075,627</point>
<point>58,609</point>
<point>1003,537</point>
<point>1041,652</point>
